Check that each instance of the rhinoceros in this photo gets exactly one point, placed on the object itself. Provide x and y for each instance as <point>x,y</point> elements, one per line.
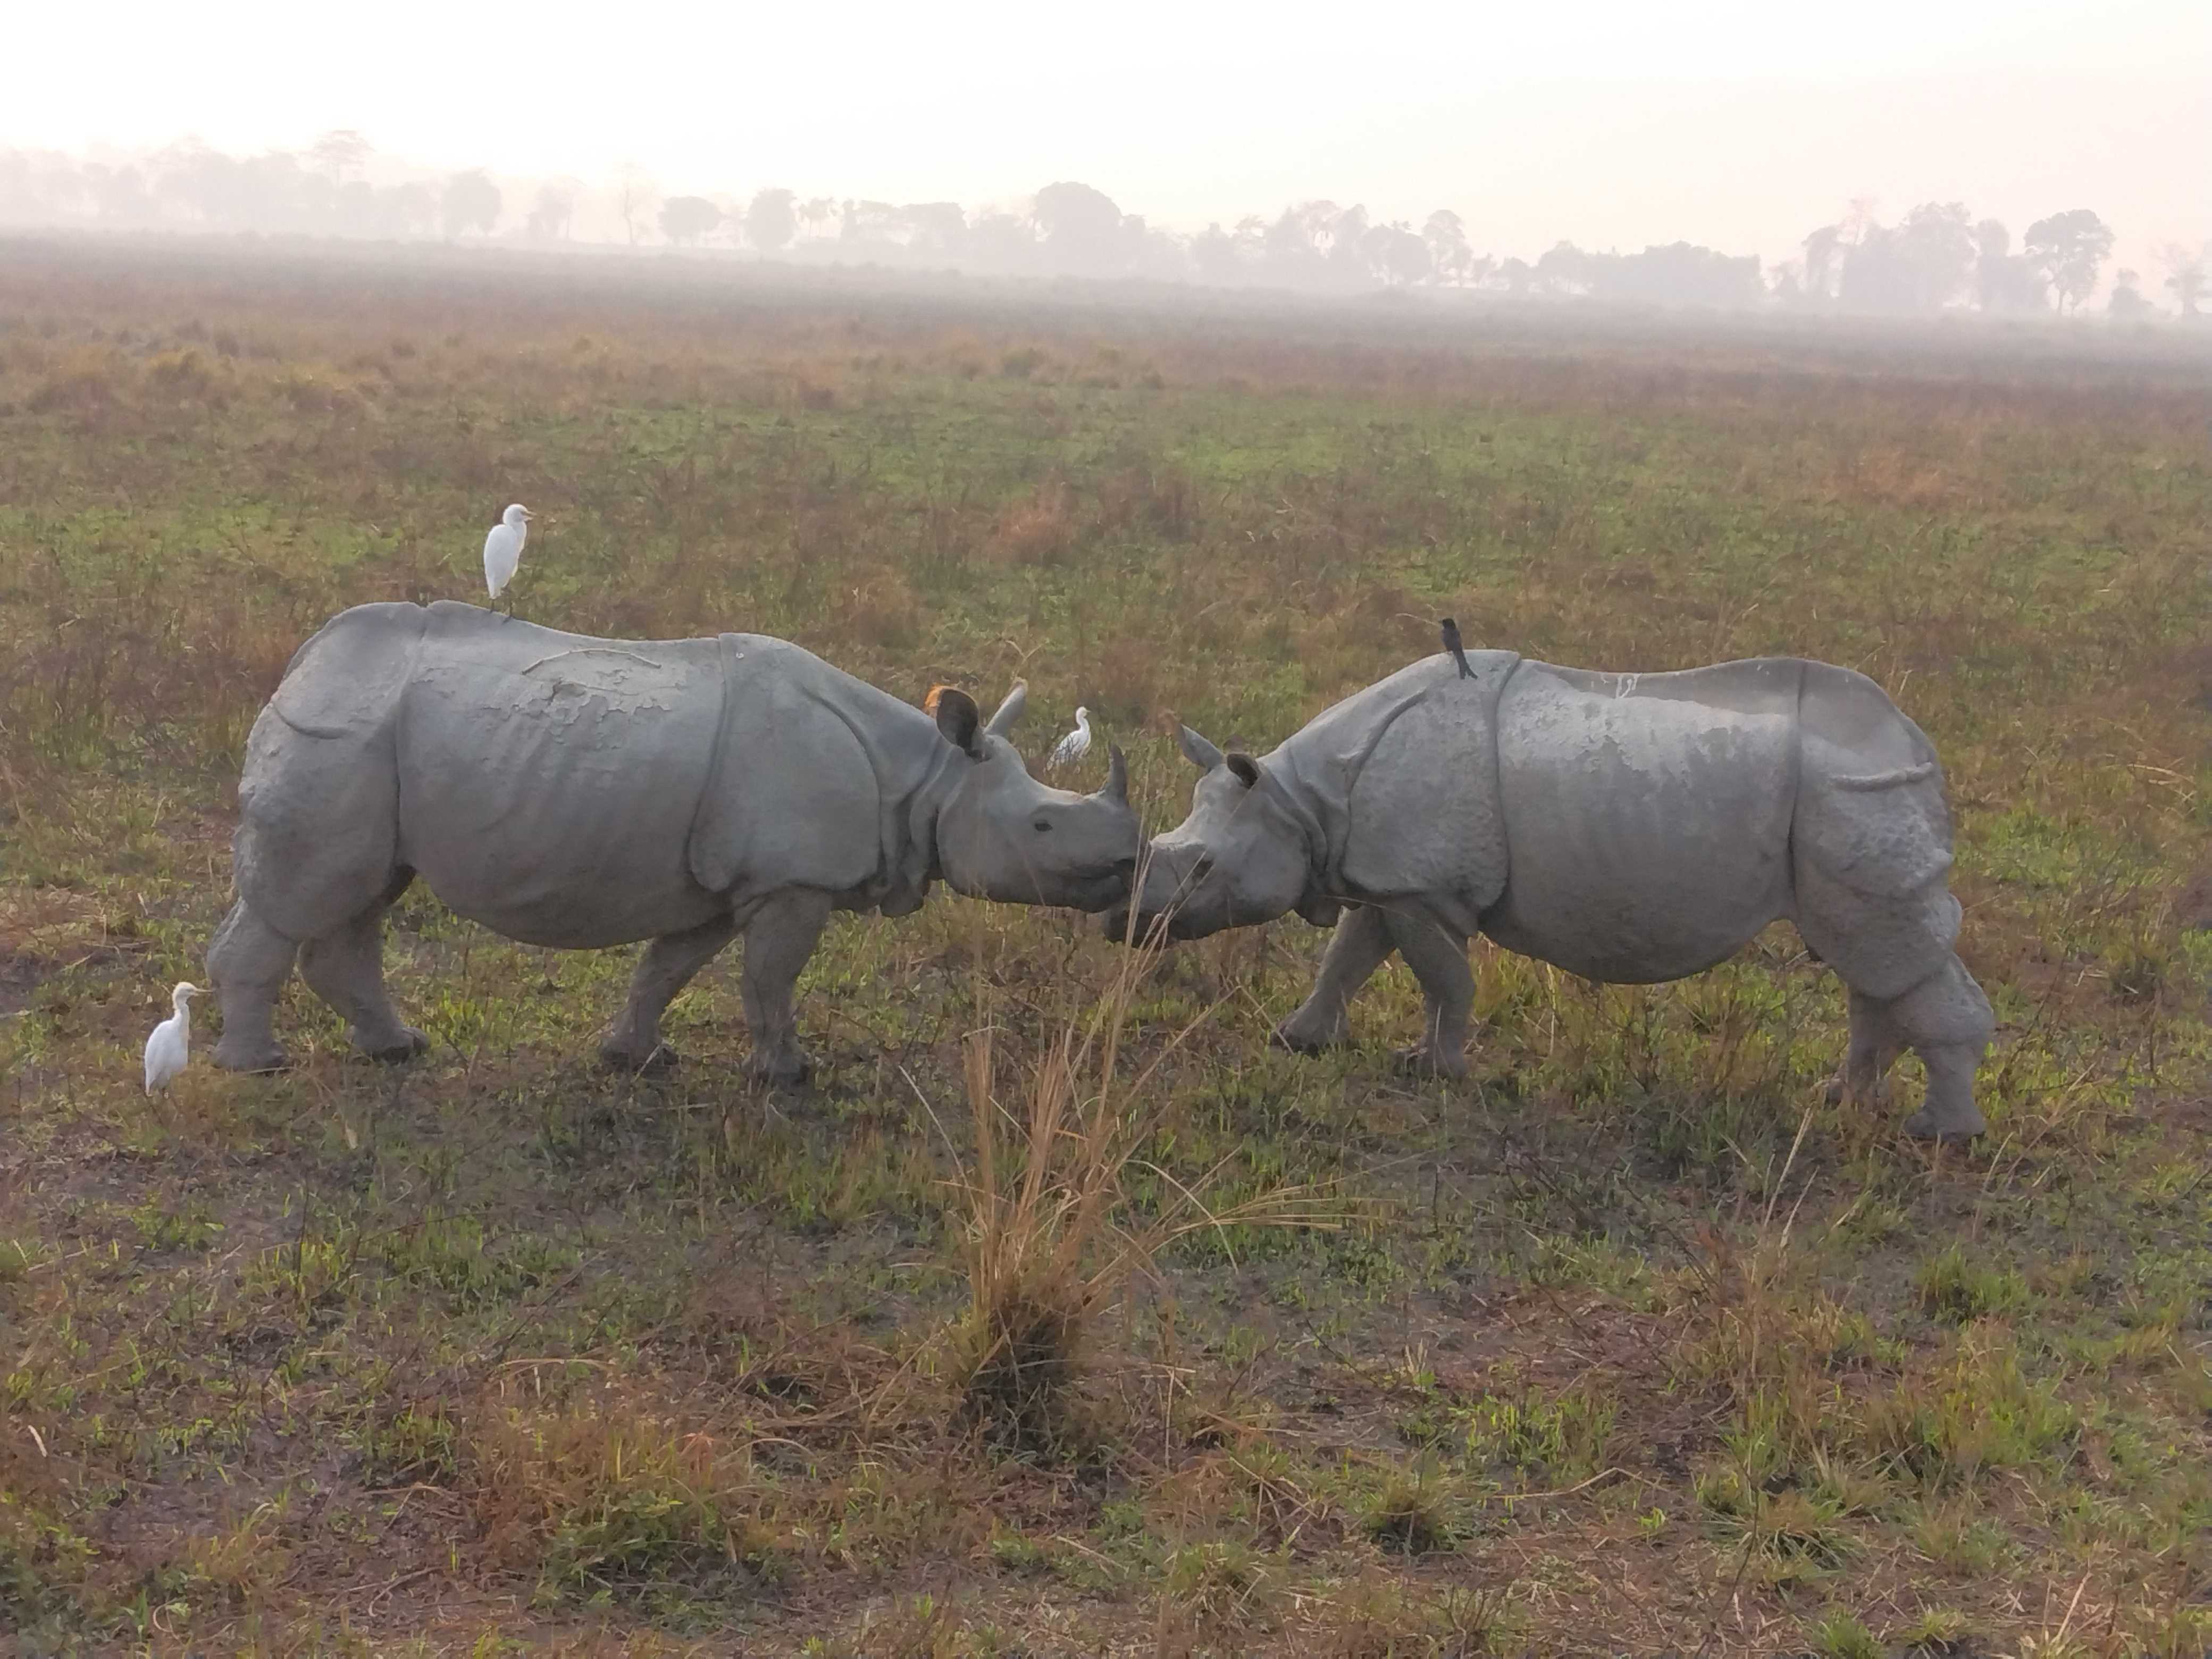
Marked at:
<point>1628,828</point>
<point>581,793</point>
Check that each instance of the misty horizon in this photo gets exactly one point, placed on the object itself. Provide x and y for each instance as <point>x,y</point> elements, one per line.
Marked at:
<point>1736,129</point>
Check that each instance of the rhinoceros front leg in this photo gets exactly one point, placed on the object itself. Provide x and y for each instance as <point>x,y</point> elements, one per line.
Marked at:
<point>668,965</point>
<point>779,940</point>
<point>1360,945</point>
<point>1438,959</point>
<point>345,968</point>
<point>1947,1020</point>
<point>1873,1048</point>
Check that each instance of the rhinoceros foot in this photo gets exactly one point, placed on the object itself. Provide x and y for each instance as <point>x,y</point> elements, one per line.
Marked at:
<point>1951,1128</point>
<point>657,1058</point>
<point>251,1057</point>
<point>1840,1089</point>
<point>787,1071</point>
<point>411,1043</point>
<point>1302,1041</point>
<point>1425,1061</point>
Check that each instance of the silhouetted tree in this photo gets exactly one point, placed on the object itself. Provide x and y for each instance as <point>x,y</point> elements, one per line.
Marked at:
<point>1449,256</point>
<point>339,152</point>
<point>470,202</point>
<point>2186,276</point>
<point>869,222</point>
<point>1082,227</point>
<point>1563,268</point>
<point>1215,256</point>
<point>685,219</point>
<point>771,220</point>
<point>935,227</point>
<point>2069,249</point>
<point>1395,255</point>
<point>2127,304</point>
<point>635,196</point>
<point>414,209</point>
<point>817,212</point>
<point>551,216</point>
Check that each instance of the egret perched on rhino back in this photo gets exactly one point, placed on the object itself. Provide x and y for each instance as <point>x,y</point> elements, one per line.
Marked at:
<point>503,548</point>
<point>581,793</point>
<point>1627,828</point>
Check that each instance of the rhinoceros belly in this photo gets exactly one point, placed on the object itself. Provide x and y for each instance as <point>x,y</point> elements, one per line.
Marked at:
<point>552,800</point>
<point>1647,817</point>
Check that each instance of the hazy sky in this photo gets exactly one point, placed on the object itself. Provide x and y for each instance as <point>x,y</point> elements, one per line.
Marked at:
<point>1737,122</point>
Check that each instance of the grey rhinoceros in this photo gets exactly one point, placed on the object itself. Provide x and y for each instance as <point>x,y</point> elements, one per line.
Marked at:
<point>581,793</point>
<point>1627,828</point>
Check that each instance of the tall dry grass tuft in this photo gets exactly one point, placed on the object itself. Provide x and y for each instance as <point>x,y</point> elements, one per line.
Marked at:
<point>1048,1241</point>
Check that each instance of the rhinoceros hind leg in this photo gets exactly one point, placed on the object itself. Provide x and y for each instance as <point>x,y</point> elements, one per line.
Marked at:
<point>1947,1021</point>
<point>248,961</point>
<point>1875,1047</point>
<point>1438,959</point>
<point>668,965</point>
<point>345,968</point>
<point>1360,945</point>
<point>779,940</point>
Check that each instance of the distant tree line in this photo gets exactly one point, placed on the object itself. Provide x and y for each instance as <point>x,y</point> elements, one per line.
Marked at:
<point>1937,258</point>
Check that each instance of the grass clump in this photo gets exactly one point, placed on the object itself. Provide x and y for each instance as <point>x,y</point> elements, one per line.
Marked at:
<point>1046,1242</point>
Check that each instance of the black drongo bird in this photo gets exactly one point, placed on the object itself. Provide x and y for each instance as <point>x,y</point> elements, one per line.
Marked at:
<point>1452,645</point>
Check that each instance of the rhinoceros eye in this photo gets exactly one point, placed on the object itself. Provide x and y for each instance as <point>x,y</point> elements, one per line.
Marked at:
<point>1042,826</point>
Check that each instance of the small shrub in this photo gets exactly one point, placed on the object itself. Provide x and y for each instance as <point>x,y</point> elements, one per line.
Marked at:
<point>1840,1636</point>
<point>1415,1511</point>
<point>1956,1289</point>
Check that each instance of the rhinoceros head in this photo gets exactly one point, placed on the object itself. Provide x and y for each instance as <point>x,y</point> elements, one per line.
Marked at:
<point>1001,834</point>
<point>1243,855</point>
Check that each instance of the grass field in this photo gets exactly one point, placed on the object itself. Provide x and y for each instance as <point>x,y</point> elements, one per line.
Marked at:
<point>1630,1345</point>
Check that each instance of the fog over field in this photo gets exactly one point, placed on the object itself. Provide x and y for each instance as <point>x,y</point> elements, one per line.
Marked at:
<point>2023,158</point>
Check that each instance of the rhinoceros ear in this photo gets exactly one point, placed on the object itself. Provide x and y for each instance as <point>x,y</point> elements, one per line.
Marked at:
<point>1246,769</point>
<point>1197,750</point>
<point>1011,710</point>
<point>961,721</point>
<point>1117,774</point>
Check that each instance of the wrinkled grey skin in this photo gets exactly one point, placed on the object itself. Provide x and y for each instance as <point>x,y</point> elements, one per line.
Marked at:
<point>1627,828</point>
<point>579,793</point>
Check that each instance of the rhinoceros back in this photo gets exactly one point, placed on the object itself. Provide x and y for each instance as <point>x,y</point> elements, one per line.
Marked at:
<point>549,782</point>
<point>1649,815</point>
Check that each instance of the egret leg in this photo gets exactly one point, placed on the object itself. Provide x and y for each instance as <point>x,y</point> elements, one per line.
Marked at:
<point>248,962</point>
<point>345,968</point>
<point>633,1042</point>
<point>779,940</point>
<point>1438,959</point>
<point>1360,945</point>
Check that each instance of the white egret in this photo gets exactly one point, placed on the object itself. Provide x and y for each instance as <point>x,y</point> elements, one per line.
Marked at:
<point>170,1046</point>
<point>503,547</point>
<point>1075,745</point>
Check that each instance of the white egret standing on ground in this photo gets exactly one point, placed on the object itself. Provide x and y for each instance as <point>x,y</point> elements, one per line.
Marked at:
<point>503,548</point>
<point>1075,745</point>
<point>170,1046</point>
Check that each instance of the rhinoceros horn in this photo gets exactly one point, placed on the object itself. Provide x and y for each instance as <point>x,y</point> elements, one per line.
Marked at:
<point>1197,750</point>
<point>1009,710</point>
